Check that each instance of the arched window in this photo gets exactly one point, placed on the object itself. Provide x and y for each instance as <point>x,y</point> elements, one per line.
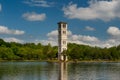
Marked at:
<point>64,32</point>
<point>64,25</point>
<point>64,42</point>
<point>64,49</point>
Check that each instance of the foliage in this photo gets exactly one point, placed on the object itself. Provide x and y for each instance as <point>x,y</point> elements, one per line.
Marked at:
<point>28,51</point>
<point>31,51</point>
<point>84,52</point>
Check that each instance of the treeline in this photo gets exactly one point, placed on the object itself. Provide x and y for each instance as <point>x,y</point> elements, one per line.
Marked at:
<point>31,51</point>
<point>28,51</point>
<point>83,52</point>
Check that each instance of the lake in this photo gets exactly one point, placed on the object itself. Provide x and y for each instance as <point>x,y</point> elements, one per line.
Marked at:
<point>59,71</point>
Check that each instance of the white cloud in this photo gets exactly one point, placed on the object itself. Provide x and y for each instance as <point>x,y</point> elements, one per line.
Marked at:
<point>88,28</point>
<point>53,33</point>
<point>82,39</point>
<point>12,39</point>
<point>39,3</point>
<point>79,39</point>
<point>103,10</point>
<point>5,30</point>
<point>110,42</point>
<point>113,40</point>
<point>34,16</point>
<point>114,31</point>
<point>45,42</point>
<point>0,7</point>
<point>88,38</point>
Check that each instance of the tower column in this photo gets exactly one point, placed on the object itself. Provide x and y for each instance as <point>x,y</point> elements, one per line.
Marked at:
<point>62,41</point>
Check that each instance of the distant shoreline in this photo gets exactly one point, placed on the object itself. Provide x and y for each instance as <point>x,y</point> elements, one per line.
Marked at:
<point>59,61</point>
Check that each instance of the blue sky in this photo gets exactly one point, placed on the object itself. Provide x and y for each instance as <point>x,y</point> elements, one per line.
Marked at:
<point>90,22</point>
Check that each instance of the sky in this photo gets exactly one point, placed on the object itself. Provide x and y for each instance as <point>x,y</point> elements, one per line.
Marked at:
<point>90,22</point>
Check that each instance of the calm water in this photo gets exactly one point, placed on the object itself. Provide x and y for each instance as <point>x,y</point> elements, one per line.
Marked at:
<point>59,71</point>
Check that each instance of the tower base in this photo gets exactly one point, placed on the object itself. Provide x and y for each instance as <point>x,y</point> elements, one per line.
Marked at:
<point>63,58</point>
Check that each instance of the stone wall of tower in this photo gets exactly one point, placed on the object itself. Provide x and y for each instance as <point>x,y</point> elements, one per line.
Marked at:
<point>62,40</point>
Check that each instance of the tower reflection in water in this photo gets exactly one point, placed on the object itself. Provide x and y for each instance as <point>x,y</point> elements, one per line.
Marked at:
<point>63,71</point>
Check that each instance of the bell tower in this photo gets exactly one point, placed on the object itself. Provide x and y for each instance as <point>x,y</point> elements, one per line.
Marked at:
<point>62,41</point>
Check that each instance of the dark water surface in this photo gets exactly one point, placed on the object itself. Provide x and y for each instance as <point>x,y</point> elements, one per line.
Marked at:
<point>59,71</point>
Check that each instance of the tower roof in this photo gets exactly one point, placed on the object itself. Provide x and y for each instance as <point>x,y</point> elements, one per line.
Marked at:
<point>62,22</point>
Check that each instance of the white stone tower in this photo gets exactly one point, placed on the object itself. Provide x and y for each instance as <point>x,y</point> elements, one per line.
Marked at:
<point>62,41</point>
